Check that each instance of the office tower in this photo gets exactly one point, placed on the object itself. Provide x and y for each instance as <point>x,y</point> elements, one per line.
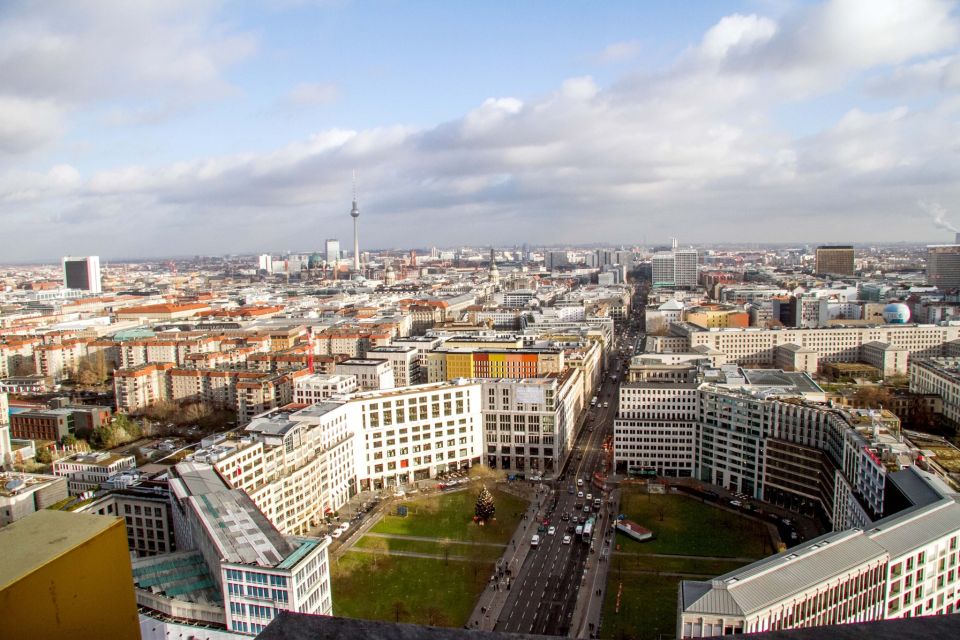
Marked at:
<point>264,262</point>
<point>943,266</point>
<point>662,268</point>
<point>956,238</point>
<point>67,575</point>
<point>333,251</point>
<point>835,260</point>
<point>685,267</point>
<point>82,273</point>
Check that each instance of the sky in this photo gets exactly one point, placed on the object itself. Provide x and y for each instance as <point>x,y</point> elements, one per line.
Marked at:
<point>181,127</point>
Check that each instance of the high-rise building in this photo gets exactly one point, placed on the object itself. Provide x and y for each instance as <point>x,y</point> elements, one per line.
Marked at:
<point>835,260</point>
<point>265,263</point>
<point>943,266</point>
<point>662,269</point>
<point>685,267</point>
<point>333,251</point>
<point>82,273</point>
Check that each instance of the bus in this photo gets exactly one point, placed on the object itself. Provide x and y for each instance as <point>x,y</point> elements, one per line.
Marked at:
<point>588,530</point>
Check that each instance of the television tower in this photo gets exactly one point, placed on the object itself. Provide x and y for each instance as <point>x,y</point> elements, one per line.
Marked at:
<point>355,213</point>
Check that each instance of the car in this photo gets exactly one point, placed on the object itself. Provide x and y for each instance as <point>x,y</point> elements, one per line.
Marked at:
<point>579,530</point>
<point>546,522</point>
<point>565,517</point>
<point>578,505</point>
<point>571,529</point>
<point>579,482</point>
<point>589,497</point>
<point>586,508</point>
<point>567,539</point>
<point>571,490</point>
<point>606,404</point>
<point>786,521</point>
<point>580,495</point>
<point>793,535</point>
<point>535,540</point>
<point>336,533</point>
<point>736,503</point>
<point>541,529</point>
<point>552,531</point>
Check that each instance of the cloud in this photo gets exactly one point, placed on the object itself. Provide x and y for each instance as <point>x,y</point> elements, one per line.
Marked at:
<point>619,52</point>
<point>695,151</point>
<point>309,95</point>
<point>26,124</point>
<point>59,57</point>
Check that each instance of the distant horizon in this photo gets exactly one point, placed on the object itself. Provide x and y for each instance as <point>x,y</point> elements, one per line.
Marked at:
<point>424,251</point>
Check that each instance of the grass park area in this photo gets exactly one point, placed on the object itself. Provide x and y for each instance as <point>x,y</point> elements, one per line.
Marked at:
<point>683,526</point>
<point>402,589</point>
<point>440,590</point>
<point>450,515</point>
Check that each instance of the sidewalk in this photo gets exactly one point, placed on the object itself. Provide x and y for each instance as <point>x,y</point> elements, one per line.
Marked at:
<point>593,584</point>
<point>489,605</point>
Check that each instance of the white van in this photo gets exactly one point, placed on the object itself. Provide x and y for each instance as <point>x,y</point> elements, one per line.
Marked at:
<point>579,530</point>
<point>535,540</point>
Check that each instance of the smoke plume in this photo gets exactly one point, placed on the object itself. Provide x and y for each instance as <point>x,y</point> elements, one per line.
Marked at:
<point>936,211</point>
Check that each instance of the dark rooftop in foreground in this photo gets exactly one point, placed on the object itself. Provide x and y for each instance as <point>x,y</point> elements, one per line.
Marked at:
<point>298,626</point>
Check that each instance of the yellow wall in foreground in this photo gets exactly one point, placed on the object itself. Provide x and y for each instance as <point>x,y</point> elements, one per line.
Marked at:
<point>84,593</point>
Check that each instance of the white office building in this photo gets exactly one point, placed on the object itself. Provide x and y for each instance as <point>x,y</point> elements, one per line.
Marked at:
<point>904,565</point>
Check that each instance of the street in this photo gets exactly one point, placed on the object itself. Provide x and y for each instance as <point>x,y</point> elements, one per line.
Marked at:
<point>543,594</point>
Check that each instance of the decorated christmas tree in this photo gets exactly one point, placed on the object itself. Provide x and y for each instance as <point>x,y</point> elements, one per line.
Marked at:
<point>485,507</point>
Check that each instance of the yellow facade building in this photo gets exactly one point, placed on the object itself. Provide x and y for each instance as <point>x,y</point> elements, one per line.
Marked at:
<point>67,575</point>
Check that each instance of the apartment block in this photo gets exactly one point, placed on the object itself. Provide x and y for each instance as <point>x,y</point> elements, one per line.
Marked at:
<point>88,471</point>
<point>940,376</point>
<point>24,493</point>
<point>145,510</point>
<point>404,362</point>
<point>312,389</point>
<point>372,374</point>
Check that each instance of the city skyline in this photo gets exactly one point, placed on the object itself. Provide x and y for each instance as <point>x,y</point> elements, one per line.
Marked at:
<point>738,121</point>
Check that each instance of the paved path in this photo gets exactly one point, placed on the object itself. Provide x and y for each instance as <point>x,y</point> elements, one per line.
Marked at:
<point>669,574</point>
<point>414,554</point>
<point>397,536</point>
<point>683,557</point>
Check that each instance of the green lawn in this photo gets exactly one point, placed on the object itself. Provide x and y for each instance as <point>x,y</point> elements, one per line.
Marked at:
<point>691,527</point>
<point>450,515</point>
<point>464,549</point>
<point>422,590</point>
<point>648,603</point>
<point>699,566</point>
<point>415,590</point>
<point>648,608</point>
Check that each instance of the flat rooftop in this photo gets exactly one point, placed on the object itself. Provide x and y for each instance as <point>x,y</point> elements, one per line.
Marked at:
<point>778,378</point>
<point>43,536</point>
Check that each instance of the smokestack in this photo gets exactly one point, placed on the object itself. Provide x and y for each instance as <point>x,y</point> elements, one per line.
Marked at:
<point>956,239</point>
